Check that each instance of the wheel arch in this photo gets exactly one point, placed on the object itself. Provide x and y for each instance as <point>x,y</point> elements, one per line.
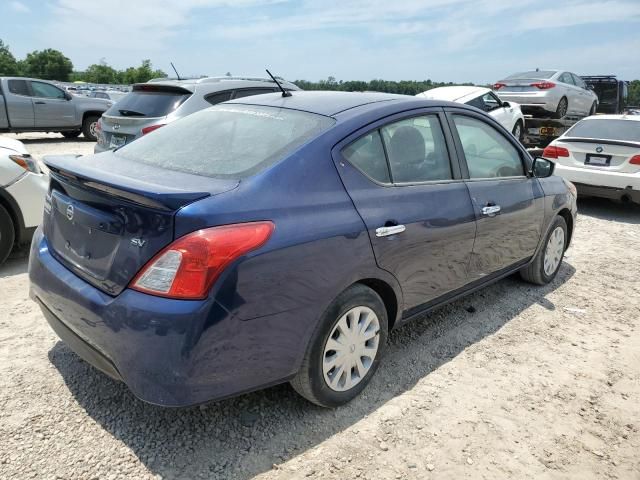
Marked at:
<point>12,207</point>
<point>96,113</point>
<point>388,295</point>
<point>568,218</point>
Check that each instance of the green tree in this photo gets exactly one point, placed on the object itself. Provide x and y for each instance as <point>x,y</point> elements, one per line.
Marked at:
<point>8,63</point>
<point>634,93</point>
<point>100,73</point>
<point>141,74</point>
<point>47,64</point>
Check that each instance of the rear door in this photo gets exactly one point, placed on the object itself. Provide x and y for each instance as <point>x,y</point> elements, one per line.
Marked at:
<point>51,107</point>
<point>19,104</point>
<point>508,204</point>
<point>413,201</point>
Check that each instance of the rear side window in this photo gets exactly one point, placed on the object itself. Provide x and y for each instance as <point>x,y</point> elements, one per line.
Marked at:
<point>488,153</point>
<point>148,103</point>
<point>247,92</point>
<point>566,78</point>
<point>227,141</point>
<point>623,130</point>
<point>367,155</point>
<point>19,87</point>
<point>216,98</point>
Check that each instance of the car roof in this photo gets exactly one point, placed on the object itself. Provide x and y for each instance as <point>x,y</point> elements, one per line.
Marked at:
<point>331,103</point>
<point>613,117</point>
<point>454,93</point>
<point>217,84</point>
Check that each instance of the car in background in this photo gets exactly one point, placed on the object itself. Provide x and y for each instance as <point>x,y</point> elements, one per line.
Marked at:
<point>601,156</point>
<point>556,93</point>
<point>508,114</point>
<point>280,238</point>
<point>114,96</point>
<point>153,104</point>
<point>612,93</point>
<point>23,187</point>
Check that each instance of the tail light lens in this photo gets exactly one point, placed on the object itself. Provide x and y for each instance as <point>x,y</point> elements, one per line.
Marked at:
<point>189,266</point>
<point>635,160</point>
<point>99,125</point>
<point>555,152</point>
<point>498,86</point>
<point>543,85</point>
<point>26,162</point>
<point>151,128</point>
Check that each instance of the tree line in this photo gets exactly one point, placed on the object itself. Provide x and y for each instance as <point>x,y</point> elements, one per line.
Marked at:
<point>50,64</point>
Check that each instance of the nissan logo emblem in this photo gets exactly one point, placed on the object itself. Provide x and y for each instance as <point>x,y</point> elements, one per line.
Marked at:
<point>599,149</point>
<point>70,212</point>
<point>116,126</point>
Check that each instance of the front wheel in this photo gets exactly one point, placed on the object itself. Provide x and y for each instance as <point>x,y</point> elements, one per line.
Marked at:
<point>593,109</point>
<point>89,127</point>
<point>545,265</point>
<point>518,131</point>
<point>345,349</point>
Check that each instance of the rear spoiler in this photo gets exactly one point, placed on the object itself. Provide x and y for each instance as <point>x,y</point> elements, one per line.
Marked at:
<point>158,87</point>
<point>603,141</point>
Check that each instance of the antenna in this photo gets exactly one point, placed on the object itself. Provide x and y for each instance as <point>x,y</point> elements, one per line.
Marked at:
<point>284,92</point>
<point>174,69</point>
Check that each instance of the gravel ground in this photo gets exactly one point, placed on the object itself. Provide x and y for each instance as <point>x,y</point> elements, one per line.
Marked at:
<point>514,381</point>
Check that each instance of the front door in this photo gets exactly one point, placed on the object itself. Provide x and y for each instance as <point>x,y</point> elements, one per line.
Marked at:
<point>508,202</point>
<point>51,107</point>
<point>413,201</point>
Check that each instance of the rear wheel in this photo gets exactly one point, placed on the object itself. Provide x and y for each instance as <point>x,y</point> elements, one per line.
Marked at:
<point>72,134</point>
<point>518,131</point>
<point>594,107</point>
<point>89,127</point>
<point>7,234</point>
<point>547,261</point>
<point>345,349</point>
<point>561,109</point>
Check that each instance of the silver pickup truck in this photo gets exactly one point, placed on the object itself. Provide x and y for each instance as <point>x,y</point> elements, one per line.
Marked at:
<point>31,105</point>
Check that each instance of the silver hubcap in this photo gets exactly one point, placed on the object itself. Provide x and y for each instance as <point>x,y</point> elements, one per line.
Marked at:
<point>516,131</point>
<point>562,109</point>
<point>92,128</point>
<point>554,251</point>
<point>351,349</point>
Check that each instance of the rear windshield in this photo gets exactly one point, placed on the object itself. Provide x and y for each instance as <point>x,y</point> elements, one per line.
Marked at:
<point>624,130</point>
<point>147,104</point>
<point>532,74</point>
<point>227,141</point>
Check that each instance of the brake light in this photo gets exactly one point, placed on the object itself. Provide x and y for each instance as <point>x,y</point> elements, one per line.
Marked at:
<point>151,128</point>
<point>555,152</point>
<point>543,85</point>
<point>189,266</point>
<point>26,162</point>
<point>498,86</point>
<point>635,160</point>
<point>99,125</point>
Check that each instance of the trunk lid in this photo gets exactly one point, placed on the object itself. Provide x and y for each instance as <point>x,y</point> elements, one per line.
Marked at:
<point>106,216</point>
<point>593,154</point>
<point>520,85</point>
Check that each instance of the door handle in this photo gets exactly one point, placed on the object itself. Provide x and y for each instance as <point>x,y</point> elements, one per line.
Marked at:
<point>386,231</point>
<point>40,103</point>
<point>491,210</point>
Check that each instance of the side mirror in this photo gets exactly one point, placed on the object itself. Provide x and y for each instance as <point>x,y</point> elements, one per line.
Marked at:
<point>542,168</point>
<point>67,96</point>
<point>506,104</point>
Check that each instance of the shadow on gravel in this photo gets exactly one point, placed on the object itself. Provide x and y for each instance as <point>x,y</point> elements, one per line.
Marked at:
<point>244,436</point>
<point>56,140</point>
<point>16,264</point>
<point>609,210</point>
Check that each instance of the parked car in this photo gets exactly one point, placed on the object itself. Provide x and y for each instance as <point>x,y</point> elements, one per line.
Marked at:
<point>612,93</point>
<point>30,105</point>
<point>548,92</point>
<point>601,156</point>
<point>508,114</point>
<point>22,190</point>
<point>151,105</point>
<point>272,239</point>
<point>114,96</point>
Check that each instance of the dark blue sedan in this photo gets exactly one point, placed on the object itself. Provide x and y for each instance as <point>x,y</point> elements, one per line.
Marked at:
<point>275,239</point>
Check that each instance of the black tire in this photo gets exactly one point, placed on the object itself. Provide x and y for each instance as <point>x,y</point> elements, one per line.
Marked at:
<point>535,271</point>
<point>594,107</point>
<point>73,134</point>
<point>562,108</point>
<point>87,130</point>
<point>7,234</point>
<point>310,381</point>
<point>518,135</point>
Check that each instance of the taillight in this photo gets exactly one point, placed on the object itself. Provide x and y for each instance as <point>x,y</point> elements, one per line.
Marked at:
<point>635,160</point>
<point>26,162</point>
<point>99,125</point>
<point>555,152</point>
<point>151,128</point>
<point>498,86</point>
<point>543,85</point>
<point>189,266</point>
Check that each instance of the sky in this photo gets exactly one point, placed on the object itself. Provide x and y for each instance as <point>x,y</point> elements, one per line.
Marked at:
<point>478,41</point>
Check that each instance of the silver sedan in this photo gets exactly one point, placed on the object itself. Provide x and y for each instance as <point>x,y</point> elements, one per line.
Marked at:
<point>548,92</point>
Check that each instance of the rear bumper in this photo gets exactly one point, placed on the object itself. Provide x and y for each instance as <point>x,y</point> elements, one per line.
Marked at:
<point>623,194</point>
<point>629,182</point>
<point>530,102</point>
<point>168,352</point>
<point>29,192</point>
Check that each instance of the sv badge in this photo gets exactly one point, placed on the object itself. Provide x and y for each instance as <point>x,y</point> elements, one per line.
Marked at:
<point>138,242</point>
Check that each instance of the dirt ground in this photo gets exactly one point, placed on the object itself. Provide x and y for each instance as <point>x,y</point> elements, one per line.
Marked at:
<point>515,381</point>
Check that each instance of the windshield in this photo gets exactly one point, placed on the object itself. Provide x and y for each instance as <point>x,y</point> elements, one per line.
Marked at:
<point>623,130</point>
<point>148,104</point>
<point>533,74</point>
<point>228,140</point>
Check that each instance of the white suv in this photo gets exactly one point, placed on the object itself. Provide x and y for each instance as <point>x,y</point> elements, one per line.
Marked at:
<point>22,190</point>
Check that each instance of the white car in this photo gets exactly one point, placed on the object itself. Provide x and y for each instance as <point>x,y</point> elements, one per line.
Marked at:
<point>22,190</point>
<point>601,156</point>
<point>508,114</point>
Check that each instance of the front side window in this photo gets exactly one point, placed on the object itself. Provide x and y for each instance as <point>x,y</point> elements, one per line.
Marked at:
<point>19,87</point>
<point>417,150</point>
<point>488,153</point>
<point>44,90</point>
